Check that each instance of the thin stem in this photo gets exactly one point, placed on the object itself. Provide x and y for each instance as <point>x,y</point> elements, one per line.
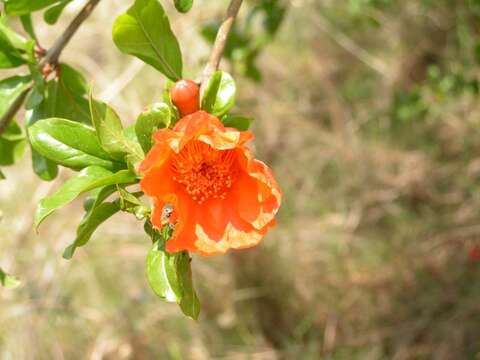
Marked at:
<point>51,57</point>
<point>221,40</point>
<point>54,52</point>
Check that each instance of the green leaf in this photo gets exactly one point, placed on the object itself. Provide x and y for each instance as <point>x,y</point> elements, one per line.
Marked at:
<point>9,58</point>
<point>128,199</point>
<point>98,213</point>
<point>219,94</point>
<point>156,116</point>
<point>189,303</point>
<point>170,275</point>
<point>144,31</point>
<point>89,178</point>
<point>34,99</point>
<point>22,7</point>
<point>69,143</point>
<point>162,274</point>
<point>12,144</point>
<point>71,96</point>
<point>45,169</point>
<point>28,25</point>
<point>8,281</point>
<point>14,39</point>
<point>10,89</point>
<point>67,97</point>
<point>183,5</point>
<point>238,122</point>
<point>110,132</point>
<point>12,47</point>
<point>53,13</point>
<point>2,176</point>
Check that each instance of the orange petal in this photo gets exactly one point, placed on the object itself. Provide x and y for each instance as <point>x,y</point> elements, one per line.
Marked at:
<point>214,218</point>
<point>238,234</point>
<point>158,182</point>
<point>257,194</point>
<point>183,237</point>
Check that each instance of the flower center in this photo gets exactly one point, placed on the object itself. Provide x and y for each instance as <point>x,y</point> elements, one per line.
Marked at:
<point>204,171</point>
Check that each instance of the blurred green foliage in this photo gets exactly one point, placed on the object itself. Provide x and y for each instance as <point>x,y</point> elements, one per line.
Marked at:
<point>369,113</point>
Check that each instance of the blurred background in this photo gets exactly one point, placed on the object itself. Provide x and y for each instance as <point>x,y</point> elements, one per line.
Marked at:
<point>368,111</point>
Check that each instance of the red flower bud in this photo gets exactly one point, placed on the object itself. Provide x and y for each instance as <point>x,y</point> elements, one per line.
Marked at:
<point>185,95</point>
<point>474,254</point>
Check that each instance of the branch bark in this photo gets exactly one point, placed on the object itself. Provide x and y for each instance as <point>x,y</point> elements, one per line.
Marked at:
<point>54,52</point>
<point>51,57</point>
<point>221,40</point>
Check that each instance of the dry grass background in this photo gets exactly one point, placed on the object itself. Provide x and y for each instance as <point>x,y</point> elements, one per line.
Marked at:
<point>369,259</point>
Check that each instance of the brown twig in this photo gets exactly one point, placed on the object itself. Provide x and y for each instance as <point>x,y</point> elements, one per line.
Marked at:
<point>51,58</point>
<point>54,52</point>
<point>221,39</point>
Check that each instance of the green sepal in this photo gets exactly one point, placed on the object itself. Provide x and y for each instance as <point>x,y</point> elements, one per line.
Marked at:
<point>238,122</point>
<point>218,96</point>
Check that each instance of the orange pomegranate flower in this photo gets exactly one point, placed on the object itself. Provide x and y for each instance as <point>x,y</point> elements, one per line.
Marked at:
<point>222,197</point>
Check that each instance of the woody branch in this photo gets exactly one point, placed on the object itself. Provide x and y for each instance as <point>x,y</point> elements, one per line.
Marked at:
<point>221,40</point>
<point>51,57</point>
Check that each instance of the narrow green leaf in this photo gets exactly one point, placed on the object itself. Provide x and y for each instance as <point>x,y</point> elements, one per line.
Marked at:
<point>219,94</point>
<point>52,14</point>
<point>28,25</point>
<point>89,178</point>
<point>14,39</point>
<point>96,196</point>
<point>110,132</point>
<point>45,169</point>
<point>9,58</point>
<point>170,275</point>
<point>238,122</point>
<point>34,99</point>
<point>161,268</point>
<point>12,144</point>
<point>69,143</point>
<point>67,97</point>
<point>89,224</point>
<point>144,31</point>
<point>22,7</point>
<point>13,47</point>
<point>189,303</point>
<point>8,281</point>
<point>157,115</point>
<point>183,5</point>
<point>127,199</point>
<point>98,213</point>
<point>2,177</point>
<point>10,89</point>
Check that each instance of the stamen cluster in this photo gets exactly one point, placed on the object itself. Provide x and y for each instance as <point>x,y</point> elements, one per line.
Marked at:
<point>204,171</point>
